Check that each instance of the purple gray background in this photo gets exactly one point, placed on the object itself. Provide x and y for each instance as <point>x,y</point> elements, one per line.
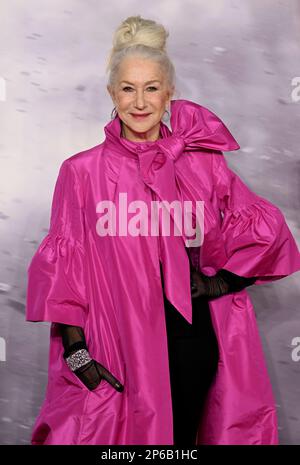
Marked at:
<point>236,58</point>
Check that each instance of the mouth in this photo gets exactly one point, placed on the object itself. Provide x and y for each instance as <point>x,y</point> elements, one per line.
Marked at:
<point>140,115</point>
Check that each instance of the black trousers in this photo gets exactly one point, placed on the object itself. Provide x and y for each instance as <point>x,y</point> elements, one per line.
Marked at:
<point>193,360</point>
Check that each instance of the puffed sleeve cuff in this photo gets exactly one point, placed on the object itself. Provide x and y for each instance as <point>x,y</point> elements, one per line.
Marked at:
<point>259,243</point>
<point>56,290</point>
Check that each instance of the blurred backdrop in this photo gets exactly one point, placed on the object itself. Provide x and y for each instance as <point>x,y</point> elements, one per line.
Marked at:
<point>239,59</point>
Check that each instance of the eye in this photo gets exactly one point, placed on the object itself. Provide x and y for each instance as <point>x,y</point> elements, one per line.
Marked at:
<point>128,88</point>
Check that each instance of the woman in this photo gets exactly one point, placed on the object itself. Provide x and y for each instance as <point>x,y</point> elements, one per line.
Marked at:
<point>153,336</point>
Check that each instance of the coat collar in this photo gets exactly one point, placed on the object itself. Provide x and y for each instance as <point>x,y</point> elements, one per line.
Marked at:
<point>193,127</point>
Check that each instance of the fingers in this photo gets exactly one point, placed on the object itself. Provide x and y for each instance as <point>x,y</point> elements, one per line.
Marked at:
<point>197,286</point>
<point>110,378</point>
<point>196,293</point>
<point>194,289</point>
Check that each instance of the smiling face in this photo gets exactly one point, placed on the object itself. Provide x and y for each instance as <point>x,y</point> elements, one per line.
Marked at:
<point>140,88</point>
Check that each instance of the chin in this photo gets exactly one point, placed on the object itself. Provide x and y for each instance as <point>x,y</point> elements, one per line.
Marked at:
<point>140,126</point>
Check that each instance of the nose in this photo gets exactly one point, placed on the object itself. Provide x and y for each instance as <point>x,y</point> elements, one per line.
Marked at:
<point>140,99</point>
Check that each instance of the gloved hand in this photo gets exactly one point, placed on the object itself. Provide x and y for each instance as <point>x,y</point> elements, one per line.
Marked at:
<point>223,282</point>
<point>92,372</point>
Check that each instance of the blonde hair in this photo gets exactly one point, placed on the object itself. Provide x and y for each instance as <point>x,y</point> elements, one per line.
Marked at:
<point>142,37</point>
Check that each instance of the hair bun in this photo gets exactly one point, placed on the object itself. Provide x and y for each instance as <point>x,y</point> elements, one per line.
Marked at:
<point>137,30</point>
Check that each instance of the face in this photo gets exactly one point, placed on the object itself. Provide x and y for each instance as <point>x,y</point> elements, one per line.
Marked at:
<point>140,88</point>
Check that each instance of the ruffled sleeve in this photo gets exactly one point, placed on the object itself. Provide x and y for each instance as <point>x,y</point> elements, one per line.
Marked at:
<point>56,290</point>
<point>257,238</point>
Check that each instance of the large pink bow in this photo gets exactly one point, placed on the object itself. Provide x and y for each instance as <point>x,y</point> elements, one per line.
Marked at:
<point>194,128</point>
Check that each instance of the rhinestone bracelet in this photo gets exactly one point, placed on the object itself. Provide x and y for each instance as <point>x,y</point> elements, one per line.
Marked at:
<point>78,359</point>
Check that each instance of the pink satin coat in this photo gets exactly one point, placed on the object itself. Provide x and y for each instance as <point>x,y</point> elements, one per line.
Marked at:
<point>111,286</point>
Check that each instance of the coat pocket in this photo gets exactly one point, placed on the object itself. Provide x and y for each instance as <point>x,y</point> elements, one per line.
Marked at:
<point>73,379</point>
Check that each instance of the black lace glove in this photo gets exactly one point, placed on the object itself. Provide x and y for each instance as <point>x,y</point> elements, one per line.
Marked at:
<point>92,372</point>
<point>223,282</point>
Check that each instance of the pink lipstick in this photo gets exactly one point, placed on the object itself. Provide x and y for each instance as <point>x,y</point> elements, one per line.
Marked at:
<point>140,115</point>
